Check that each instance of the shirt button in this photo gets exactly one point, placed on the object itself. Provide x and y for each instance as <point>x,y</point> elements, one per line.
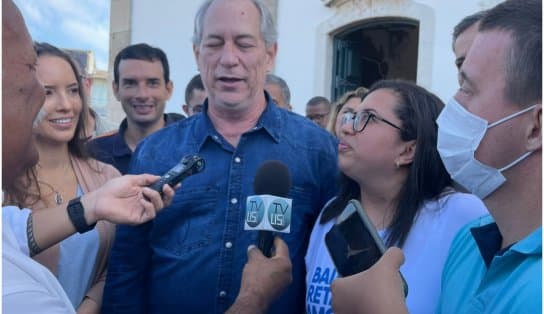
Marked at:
<point>228,245</point>
<point>222,294</point>
<point>215,137</point>
<point>233,200</point>
<point>237,160</point>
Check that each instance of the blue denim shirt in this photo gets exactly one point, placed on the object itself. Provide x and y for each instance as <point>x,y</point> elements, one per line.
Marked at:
<point>190,258</point>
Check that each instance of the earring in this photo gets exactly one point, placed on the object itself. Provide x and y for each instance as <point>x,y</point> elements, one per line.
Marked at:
<point>397,164</point>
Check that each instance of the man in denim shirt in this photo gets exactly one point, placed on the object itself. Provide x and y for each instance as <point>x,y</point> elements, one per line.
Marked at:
<point>190,259</point>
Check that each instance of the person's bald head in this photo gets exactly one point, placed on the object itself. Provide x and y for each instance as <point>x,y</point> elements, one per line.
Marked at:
<point>22,95</point>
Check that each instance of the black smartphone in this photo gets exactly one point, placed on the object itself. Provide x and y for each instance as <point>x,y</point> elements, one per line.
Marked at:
<point>188,165</point>
<point>353,242</point>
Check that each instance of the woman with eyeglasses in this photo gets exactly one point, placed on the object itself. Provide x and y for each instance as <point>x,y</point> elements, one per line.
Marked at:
<point>65,171</point>
<point>389,163</point>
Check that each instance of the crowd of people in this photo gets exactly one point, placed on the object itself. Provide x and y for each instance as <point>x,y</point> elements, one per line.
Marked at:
<point>453,190</point>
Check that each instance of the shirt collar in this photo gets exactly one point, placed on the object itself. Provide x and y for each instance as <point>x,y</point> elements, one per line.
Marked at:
<point>489,239</point>
<point>121,147</point>
<point>269,121</point>
<point>530,245</point>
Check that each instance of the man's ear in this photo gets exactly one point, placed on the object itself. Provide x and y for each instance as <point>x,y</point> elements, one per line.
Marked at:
<point>196,52</point>
<point>115,88</point>
<point>170,88</point>
<point>407,155</point>
<point>534,130</point>
<point>271,52</point>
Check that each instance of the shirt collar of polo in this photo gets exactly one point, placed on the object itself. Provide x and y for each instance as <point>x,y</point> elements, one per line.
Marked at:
<point>530,245</point>
<point>489,239</point>
<point>120,148</point>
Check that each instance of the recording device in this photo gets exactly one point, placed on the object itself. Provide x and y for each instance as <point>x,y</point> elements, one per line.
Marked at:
<point>353,243</point>
<point>269,211</point>
<point>188,166</point>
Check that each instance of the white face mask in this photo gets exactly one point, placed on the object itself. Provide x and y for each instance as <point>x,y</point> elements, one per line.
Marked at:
<point>459,134</point>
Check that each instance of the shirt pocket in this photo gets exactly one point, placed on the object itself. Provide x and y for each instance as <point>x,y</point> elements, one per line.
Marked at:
<point>187,224</point>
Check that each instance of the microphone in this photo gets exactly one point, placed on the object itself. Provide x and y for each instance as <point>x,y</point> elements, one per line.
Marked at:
<point>272,184</point>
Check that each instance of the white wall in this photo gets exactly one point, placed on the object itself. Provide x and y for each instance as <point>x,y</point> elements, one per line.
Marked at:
<point>448,14</point>
<point>296,59</point>
<point>169,25</point>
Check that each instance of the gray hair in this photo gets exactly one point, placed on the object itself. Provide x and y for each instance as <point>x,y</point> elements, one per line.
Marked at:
<point>314,101</point>
<point>286,93</point>
<point>268,28</point>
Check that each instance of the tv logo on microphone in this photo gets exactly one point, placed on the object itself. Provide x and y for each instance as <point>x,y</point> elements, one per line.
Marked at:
<point>268,212</point>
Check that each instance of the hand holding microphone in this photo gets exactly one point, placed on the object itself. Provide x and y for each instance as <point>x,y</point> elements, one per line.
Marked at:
<point>268,271</point>
<point>263,279</point>
<point>269,211</point>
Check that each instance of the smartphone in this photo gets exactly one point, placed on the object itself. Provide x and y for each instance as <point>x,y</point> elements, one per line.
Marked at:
<point>353,242</point>
<point>188,165</point>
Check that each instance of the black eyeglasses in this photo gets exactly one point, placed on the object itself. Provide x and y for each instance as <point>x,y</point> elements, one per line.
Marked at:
<point>361,119</point>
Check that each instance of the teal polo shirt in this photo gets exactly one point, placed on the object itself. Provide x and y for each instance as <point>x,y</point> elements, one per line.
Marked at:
<point>479,277</point>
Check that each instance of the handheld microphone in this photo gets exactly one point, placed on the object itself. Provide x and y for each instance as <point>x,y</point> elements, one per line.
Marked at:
<point>269,211</point>
<point>188,166</point>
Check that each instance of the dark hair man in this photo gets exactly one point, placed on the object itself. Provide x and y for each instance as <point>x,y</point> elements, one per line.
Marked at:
<point>279,91</point>
<point>495,263</point>
<point>142,84</point>
<point>463,36</point>
<point>195,95</point>
<point>318,109</point>
<point>191,258</point>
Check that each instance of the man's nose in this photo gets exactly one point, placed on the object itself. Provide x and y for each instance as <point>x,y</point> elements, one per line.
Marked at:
<point>143,92</point>
<point>229,55</point>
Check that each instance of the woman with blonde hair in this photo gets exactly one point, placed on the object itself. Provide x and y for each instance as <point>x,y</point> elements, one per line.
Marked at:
<point>64,171</point>
<point>350,99</point>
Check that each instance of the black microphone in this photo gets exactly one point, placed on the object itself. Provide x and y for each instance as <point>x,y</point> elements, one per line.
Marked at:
<point>272,178</point>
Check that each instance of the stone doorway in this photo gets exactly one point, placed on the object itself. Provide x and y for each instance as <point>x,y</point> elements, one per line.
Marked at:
<point>374,49</point>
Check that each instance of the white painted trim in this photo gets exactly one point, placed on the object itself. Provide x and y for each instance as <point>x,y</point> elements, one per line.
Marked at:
<point>357,12</point>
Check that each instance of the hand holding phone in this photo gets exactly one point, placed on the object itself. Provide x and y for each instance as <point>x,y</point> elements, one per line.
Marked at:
<point>353,242</point>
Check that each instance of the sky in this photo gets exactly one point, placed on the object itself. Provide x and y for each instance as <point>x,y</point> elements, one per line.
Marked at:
<point>73,24</point>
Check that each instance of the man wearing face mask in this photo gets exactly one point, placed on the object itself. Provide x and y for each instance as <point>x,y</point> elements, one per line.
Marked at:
<point>490,140</point>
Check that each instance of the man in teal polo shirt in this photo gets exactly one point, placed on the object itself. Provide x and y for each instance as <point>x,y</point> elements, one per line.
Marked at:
<point>495,263</point>
<point>490,140</point>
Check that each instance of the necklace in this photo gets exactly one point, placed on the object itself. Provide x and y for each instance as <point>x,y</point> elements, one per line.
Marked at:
<point>57,195</point>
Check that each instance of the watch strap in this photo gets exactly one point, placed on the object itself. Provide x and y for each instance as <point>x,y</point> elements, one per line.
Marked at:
<point>76,213</point>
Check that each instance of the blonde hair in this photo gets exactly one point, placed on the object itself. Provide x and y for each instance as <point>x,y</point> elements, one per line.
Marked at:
<point>337,106</point>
